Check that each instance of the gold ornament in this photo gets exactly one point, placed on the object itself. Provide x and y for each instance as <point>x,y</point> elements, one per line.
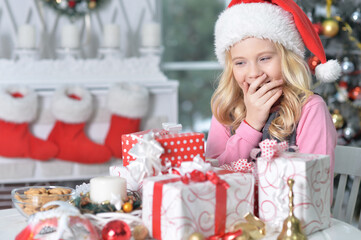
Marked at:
<point>337,119</point>
<point>92,4</point>
<point>140,232</point>
<point>196,236</point>
<point>252,229</point>
<point>330,27</point>
<point>347,28</point>
<point>291,226</point>
<point>127,207</point>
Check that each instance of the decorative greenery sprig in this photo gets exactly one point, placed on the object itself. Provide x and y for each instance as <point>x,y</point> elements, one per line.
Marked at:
<point>75,8</point>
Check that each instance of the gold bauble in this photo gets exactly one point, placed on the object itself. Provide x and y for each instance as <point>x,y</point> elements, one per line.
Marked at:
<point>140,232</point>
<point>330,27</point>
<point>337,119</point>
<point>92,5</point>
<point>127,207</point>
<point>196,236</point>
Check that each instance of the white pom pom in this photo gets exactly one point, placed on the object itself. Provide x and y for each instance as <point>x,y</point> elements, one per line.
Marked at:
<point>329,71</point>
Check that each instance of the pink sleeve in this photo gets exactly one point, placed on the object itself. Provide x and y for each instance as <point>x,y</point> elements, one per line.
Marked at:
<point>316,132</point>
<point>227,148</point>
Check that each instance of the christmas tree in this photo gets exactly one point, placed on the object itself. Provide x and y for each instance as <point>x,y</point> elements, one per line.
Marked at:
<point>339,25</point>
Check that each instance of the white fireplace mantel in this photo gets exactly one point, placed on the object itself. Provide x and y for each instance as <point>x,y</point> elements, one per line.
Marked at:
<point>45,76</point>
<point>76,71</point>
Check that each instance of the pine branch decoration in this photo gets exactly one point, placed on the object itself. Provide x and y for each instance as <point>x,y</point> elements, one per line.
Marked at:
<point>74,8</point>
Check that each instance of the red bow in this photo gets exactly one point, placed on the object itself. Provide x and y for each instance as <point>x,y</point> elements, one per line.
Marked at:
<point>199,176</point>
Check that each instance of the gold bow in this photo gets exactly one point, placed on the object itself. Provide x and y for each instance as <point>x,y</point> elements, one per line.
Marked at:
<point>252,229</point>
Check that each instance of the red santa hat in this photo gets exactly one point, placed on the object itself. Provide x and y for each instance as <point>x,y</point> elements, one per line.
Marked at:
<point>281,21</point>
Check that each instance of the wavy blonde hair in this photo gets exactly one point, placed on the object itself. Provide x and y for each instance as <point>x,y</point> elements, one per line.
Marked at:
<point>227,101</point>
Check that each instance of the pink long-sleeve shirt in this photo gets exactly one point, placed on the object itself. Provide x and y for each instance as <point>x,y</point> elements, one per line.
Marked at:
<point>315,133</point>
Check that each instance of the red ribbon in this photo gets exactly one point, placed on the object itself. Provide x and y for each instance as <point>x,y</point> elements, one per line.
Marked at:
<point>157,204</point>
<point>226,236</point>
<point>194,176</point>
<point>199,176</point>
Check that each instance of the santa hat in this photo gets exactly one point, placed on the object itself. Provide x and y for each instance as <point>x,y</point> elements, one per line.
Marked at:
<point>281,21</point>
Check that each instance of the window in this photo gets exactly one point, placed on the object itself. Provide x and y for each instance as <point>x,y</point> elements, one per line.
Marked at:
<point>188,28</point>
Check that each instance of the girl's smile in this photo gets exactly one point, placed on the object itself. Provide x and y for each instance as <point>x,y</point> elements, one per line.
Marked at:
<point>254,57</point>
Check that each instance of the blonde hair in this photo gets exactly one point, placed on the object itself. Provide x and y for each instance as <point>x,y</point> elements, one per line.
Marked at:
<point>228,105</point>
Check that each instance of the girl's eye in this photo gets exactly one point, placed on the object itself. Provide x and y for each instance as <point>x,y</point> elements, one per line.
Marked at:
<point>265,58</point>
<point>240,63</point>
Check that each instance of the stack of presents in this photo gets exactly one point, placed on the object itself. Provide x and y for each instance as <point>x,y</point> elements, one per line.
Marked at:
<point>184,194</point>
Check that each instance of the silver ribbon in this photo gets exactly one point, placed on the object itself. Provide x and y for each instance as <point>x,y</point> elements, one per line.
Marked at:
<point>172,127</point>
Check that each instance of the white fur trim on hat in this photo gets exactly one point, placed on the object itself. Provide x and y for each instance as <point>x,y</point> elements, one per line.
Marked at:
<point>70,110</point>
<point>261,20</point>
<point>18,109</point>
<point>129,100</point>
<point>329,71</point>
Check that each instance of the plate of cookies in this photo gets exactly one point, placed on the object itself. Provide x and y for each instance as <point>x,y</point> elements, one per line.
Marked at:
<point>30,200</point>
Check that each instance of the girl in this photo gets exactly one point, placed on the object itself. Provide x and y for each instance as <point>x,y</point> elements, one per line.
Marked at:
<point>264,90</point>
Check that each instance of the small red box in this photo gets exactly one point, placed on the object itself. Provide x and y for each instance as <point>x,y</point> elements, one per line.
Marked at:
<point>178,147</point>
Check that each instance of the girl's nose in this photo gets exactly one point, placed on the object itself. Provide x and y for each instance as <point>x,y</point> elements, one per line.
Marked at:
<point>254,71</point>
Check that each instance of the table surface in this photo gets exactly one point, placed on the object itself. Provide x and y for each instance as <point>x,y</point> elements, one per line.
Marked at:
<point>11,223</point>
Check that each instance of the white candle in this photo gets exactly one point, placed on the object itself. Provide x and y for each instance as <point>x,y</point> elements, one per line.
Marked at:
<point>111,36</point>
<point>70,36</point>
<point>151,35</point>
<point>26,36</point>
<point>107,188</point>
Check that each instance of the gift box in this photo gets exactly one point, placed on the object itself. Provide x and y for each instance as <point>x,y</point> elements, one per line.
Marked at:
<point>173,209</point>
<point>311,173</point>
<point>134,176</point>
<point>178,147</point>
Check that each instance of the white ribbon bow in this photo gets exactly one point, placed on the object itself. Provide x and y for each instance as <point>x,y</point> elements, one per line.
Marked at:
<point>147,153</point>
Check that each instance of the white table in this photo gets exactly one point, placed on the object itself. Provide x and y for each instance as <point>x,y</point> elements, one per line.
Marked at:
<point>11,223</point>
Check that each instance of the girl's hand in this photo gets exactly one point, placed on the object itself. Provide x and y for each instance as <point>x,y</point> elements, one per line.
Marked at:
<point>259,97</point>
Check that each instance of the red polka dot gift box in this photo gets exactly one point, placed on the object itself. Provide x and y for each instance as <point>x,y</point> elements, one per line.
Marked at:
<point>178,147</point>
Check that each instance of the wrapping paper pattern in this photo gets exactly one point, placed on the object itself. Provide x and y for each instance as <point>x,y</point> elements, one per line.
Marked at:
<point>178,147</point>
<point>311,173</point>
<point>191,208</point>
<point>241,165</point>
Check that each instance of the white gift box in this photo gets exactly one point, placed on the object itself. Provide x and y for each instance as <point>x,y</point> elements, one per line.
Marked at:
<point>312,197</point>
<point>176,210</point>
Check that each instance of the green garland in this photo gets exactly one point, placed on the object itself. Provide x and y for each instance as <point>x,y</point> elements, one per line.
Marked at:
<point>75,8</point>
<point>85,205</point>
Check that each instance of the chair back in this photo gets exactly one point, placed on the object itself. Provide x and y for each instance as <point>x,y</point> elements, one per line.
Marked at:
<point>348,166</point>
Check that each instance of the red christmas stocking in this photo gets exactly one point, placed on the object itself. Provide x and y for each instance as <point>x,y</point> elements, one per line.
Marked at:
<point>18,107</point>
<point>72,107</point>
<point>128,103</point>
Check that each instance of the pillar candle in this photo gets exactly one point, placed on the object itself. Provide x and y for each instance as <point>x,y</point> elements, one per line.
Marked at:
<point>111,36</point>
<point>26,36</point>
<point>151,35</point>
<point>107,188</point>
<point>70,36</point>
